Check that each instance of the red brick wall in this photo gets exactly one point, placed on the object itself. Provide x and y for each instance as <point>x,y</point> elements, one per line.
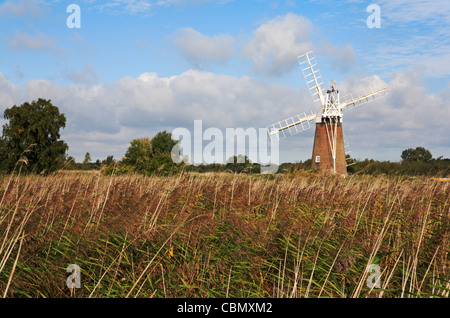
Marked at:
<point>322,148</point>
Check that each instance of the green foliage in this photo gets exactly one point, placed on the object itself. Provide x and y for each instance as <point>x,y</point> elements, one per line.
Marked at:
<point>163,143</point>
<point>117,168</point>
<point>240,164</point>
<point>295,167</point>
<point>109,160</point>
<point>87,160</point>
<point>149,156</point>
<point>415,163</point>
<point>418,154</point>
<point>153,157</point>
<point>70,163</point>
<point>32,137</point>
<point>161,164</point>
<point>139,151</point>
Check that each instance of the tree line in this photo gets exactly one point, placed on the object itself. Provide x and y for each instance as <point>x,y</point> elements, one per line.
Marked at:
<point>31,143</point>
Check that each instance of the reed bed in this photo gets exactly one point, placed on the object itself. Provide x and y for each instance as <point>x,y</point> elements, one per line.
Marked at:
<point>224,235</point>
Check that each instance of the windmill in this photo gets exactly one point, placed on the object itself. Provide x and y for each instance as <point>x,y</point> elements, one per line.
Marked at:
<point>329,150</point>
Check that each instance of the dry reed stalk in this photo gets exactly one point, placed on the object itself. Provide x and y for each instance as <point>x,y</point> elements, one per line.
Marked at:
<point>312,272</point>
<point>9,227</point>
<point>215,200</point>
<point>70,213</point>
<point>331,267</point>
<point>298,262</point>
<point>155,215</point>
<point>390,275</point>
<point>249,191</point>
<point>148,266</point>
<point>358,219</point>
<point>416,258</point>
<point>106,198</point>
<point>232,191</point>
<point>95,194</point>
<point>405,277</point>
<point>280,288</point>
<point>117,267</point>
<point>14,268</point>
<point>274,210</point>
<point>374,251</point>
<point>18,233</point>
<point>6,191</point>
<point>229,280</point>
<point>104,274</point>
<point>426,273</point>
<point>163,281</point>
<point>156,254</point>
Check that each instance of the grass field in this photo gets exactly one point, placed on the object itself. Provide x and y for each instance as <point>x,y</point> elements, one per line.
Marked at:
<point>224,235</point>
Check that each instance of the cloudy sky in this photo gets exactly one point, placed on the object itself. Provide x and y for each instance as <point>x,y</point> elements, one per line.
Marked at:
<point>136,67</point>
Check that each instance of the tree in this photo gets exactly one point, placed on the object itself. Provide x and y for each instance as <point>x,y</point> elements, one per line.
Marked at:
<point>70,163</point>
<point>109,160</point>
<point>238,159</point>
<point>238,163</point>
<point>139,151</point>
<point>32,136</point>
<point>87,158</point>
<point>163,142</point>
<point>86,161</point>
<point>151,155</point>
<point>418,154</point>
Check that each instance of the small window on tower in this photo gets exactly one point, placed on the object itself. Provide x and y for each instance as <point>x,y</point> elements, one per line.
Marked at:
<point>317,159</point>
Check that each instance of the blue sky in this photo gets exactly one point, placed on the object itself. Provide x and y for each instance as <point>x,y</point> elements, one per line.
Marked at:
<point>136,67</point>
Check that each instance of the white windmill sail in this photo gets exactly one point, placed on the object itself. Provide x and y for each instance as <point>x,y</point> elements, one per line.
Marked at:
<point>362,96</point>
<point>291,126</point>
<point>301,122</point>
<point>310,70</point>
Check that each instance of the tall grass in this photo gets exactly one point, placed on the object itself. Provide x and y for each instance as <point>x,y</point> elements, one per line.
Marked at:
<point>223,235</point>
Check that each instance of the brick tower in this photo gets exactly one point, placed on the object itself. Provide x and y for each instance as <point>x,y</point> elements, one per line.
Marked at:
<point>322,155</point>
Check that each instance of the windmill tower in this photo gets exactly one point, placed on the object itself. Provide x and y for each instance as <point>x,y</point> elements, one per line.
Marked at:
<point>328,151</point>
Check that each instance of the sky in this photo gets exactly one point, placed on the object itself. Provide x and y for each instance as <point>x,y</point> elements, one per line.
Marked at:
<point>136,67</point>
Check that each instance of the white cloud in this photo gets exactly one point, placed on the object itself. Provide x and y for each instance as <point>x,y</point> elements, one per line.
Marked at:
<point>409,116</point>
<point>103,118</point>
<point>147,104</point>
<point>277,43</point>
<point>200,49</point>
<point>9,93</point>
